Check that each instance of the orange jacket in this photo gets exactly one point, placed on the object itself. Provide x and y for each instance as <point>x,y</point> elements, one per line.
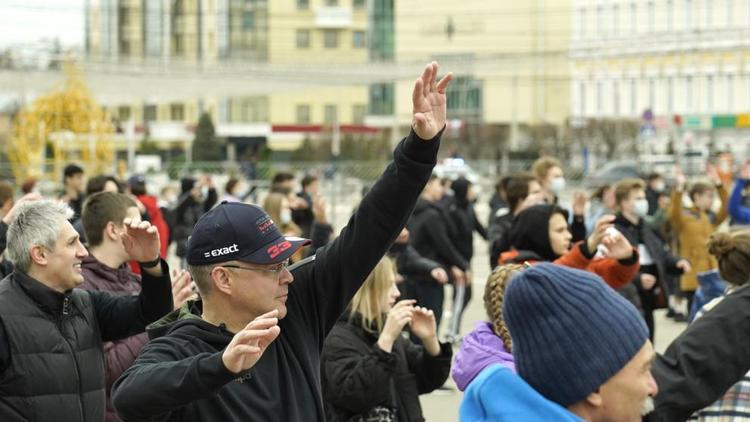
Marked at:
<point>615,273</point>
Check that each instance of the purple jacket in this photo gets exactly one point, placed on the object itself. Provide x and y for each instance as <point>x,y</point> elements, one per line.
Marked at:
<point>480,349</point>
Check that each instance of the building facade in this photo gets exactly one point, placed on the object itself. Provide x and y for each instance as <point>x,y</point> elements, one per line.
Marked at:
<point>680,69</point>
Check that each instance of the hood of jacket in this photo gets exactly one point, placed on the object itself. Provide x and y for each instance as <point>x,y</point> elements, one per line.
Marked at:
<point>479,349</point>
<point>530,230</point>
<point>499,395</point>
<point>187,319</point>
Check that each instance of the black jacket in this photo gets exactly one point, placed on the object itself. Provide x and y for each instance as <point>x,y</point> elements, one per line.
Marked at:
<point>180,375</point>
<point>466,222</point>
<point>187,213</point>
<point>664,260</point>
<point>497,233</point>
<point>357,375</point>
<point>433,235</point>
<point>409,263</point>
<point>51,361</point>
<point>702,363</point>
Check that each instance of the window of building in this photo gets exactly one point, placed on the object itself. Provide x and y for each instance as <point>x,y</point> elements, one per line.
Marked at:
<point>633,18</point>
<point>382,99</point>
<point>331,38</point>
<point>582,23</point>
<point>465,98</point>
<point>651,93</point>
<point>303,38</point>
<point>149,113</point>
<point>359,4</point>
<point>689,93</point>
<point>303,114</point>
<point>581,98</point>
<point>616,98</point>
<point>332,2</point>
<point>330,114</point>
<point>177,112</point>
<point>688,15</point>
<point>709,11</point>
<point>599,97</point>
<point>634,97</point>
<point>382,30</point>
<point>650,10</point>
<point>600,21</point>
<point>670,95</point>
<point>358,114</point>
<point>670,15</point>
<point>123,112</point>
<point>729,11</point>
<point>730,93</point>
<point>248,20</point>
<point>358,39</point>
<point>303,4</point>
<point>709,93</point>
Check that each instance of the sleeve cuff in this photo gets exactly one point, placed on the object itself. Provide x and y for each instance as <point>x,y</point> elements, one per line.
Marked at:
<point>422,150</point>
<point>630,261</point>
<point>584,247</point>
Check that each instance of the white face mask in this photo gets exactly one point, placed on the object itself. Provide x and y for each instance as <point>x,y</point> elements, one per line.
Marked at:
<point>204,191</point>
<point>286,216</point>
<point>641,207</point>
<point>557,185</point>
<point>659,186</point>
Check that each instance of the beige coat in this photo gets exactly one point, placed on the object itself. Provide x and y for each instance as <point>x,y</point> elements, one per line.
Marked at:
<point>693,229</point>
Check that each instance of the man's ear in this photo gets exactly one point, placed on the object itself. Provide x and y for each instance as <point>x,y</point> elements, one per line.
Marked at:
<point>110,231</point>
<point>38,255</point>
<point>221,280</point>
<point>595,399</point>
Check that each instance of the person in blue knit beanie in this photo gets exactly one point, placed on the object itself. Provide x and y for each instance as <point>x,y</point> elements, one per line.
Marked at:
<point>580,344</point>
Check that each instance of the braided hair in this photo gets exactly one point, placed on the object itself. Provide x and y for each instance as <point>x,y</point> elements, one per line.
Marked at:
<point>494,292</point>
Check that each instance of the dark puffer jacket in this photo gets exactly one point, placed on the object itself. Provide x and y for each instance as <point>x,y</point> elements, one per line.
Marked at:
<point>119,354</point>
<point>357,375</point>
<point>433,235</point>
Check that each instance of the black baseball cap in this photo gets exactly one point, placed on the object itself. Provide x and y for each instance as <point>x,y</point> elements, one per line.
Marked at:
<point>242,232</point>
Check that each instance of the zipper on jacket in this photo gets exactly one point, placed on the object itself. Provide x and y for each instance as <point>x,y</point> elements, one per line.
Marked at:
<point>66,312</point>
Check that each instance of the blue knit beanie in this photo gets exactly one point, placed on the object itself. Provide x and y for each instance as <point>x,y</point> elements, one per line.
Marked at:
<point>571,332</point>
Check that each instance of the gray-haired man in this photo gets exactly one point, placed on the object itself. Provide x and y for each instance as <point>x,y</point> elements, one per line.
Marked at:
<point>51,362</point>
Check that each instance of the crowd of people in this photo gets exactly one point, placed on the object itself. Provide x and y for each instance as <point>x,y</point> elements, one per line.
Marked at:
<point>271,315</point>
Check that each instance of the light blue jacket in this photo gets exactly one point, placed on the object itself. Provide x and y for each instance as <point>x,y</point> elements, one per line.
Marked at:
<point>499,395</point>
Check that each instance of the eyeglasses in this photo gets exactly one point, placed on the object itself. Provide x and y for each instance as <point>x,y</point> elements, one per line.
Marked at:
<point>276,269</point>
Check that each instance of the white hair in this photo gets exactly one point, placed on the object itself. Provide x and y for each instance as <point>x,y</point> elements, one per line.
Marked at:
<point>35,224</point>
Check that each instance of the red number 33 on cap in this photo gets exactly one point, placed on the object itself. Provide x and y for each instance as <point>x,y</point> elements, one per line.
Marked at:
<point>276,250</point>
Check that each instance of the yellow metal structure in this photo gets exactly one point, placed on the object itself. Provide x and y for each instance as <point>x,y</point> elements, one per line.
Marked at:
<point>68,125</point>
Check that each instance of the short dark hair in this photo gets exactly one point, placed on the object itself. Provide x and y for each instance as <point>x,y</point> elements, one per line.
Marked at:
<point>28,185</point>
<point>71,170</point>
<point>308,180</point>
<point>700,188</point>
<point>6,192</point>
<point>96,184</point>
<point>502,184</point>
<point>231,184</point>
<point>517,189</point>
<point>281,177</point>
<point>101,208</point>
<point>653,176</point>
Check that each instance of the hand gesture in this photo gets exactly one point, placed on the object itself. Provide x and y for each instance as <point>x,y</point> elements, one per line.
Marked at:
<point>398,317</point>
<point>745,170</point>
<point>141,240</point>
<point>182,287</point>
<point>319,210</point>
<point>429,103</point>
<point>458,275</point>
<point>680,179</point>
<point>247,346</point>
<point>579,203</point>
<point>423,323</point>
<point>713,174</point>
<point>617,246</point>
<point>439,275</point>
<point>684,265</point>
<point>29,197</point>
<point>648,281</point>
<point>600,230</point>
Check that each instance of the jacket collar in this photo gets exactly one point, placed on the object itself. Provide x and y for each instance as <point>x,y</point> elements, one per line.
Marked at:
<point>49,300</point>
<point>620,220</point>
<point>115,275</point>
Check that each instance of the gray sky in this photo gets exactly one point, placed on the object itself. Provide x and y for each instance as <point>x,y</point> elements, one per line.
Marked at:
<point>23,21</point>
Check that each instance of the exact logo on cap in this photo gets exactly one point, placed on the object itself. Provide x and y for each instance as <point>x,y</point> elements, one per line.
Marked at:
<point>221,251</point>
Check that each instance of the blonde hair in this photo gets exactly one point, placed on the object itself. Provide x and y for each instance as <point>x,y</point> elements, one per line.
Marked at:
<point>542,166</point>
<point>494,293</point>
<point>368,299</point>
<point>272,205</point>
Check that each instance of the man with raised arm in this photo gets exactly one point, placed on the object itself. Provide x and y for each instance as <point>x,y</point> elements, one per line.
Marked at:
<point>250,350</point>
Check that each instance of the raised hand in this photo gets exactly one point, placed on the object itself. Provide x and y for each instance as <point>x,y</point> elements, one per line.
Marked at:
<point>648,281</point>
<point>684,265</point>
<point>319,209</point>
<point>29,197</point>
<point>141,240</point>
<point>248,345</point>
<point>579,203</point>
<point>600,230</point>
<point>398,317</point>
<point>680,179</point>
<point>423,323</point>
<point>429,102</point>
<point>617,246</point>
<point>182,287</point>
<point>713,174</point>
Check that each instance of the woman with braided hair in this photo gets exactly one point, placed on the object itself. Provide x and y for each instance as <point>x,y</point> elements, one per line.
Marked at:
<point>490,341</point>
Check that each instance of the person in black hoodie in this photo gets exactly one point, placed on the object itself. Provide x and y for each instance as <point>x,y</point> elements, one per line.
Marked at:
<point>368,367</point>
<point>195,200</point>
<point>250,350</point>
<point>434,235</point>
<point>656,262</point>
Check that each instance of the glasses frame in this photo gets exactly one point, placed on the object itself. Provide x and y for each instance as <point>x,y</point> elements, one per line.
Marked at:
<point>281,266</point>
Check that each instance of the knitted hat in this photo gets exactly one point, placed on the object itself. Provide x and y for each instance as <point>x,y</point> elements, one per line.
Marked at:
<point>571,332</point>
